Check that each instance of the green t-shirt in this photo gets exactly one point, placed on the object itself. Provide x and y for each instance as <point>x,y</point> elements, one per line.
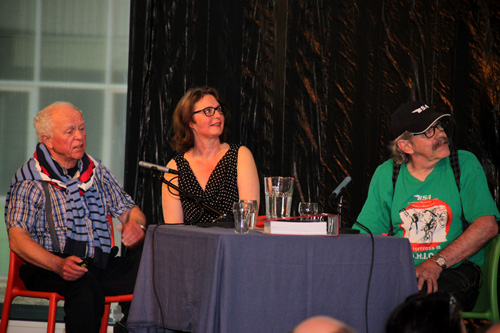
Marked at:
<point>428,212</point>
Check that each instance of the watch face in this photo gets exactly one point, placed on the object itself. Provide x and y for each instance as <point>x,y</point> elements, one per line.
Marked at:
<point>441,261</point>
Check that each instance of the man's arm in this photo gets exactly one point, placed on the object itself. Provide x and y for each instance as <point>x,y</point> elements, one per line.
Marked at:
<point>30,251</point>
<point>474,238</point>
<point>133,230</point>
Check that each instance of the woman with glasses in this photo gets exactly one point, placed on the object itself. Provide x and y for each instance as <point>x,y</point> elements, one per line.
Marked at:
<point>214,172</point>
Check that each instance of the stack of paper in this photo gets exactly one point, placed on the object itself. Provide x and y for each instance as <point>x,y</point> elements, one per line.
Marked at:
<point>295,227</point>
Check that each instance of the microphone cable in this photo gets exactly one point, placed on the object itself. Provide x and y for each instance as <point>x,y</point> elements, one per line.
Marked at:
<point>155,290</point>
<point>371,266</point>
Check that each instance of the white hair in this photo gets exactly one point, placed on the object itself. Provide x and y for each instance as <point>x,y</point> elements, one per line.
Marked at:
<point>397,154</point>
<point>43,120</point>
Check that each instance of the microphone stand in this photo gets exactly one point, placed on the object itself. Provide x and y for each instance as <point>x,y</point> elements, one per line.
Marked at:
<point>342,229</point>
<point>159,176</point>
<point>339,210</point>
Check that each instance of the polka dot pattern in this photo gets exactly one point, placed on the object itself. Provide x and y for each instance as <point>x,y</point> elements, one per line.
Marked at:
<point>221,190</point>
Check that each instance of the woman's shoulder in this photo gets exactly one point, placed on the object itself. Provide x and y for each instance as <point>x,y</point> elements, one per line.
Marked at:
<point>234,146</point>
<point>179,157</point>
<point>243,151</point>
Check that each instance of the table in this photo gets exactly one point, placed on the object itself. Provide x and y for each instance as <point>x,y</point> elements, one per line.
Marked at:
<point>213,280</point>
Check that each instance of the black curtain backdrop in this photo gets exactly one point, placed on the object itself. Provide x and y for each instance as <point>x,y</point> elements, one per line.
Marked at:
<point>311,84</point>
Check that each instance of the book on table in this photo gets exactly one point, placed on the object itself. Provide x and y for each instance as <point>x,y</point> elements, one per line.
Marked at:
<point>306,225</point>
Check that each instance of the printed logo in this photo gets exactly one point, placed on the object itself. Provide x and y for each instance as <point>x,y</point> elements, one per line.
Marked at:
<point>420,109</point>
<point>426,223</point>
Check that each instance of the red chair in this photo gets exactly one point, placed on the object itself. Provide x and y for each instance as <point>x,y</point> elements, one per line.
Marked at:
<point>15,287</point>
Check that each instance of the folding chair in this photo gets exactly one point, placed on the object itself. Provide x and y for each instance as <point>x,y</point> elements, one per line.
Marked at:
<point>487,302</point>
<point>15,287</point>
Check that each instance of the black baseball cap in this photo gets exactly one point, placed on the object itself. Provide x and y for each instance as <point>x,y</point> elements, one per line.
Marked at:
<point>415,117</point>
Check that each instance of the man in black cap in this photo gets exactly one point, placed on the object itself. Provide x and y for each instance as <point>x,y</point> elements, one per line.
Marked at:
<point>438,199</point>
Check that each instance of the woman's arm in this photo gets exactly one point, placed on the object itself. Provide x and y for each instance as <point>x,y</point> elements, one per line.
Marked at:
<point>171,203</point>
<point>248,177</point>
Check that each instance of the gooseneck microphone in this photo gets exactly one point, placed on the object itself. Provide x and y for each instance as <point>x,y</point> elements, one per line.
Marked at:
<point>339,188</point>
<point>336,194</point>
<point>155,167</point>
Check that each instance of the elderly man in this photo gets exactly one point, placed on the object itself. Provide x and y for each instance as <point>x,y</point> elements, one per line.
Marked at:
<point>56,215</point>
<point>448,216</point>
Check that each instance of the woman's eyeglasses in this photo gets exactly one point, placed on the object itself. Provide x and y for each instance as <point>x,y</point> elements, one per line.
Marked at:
<point>210,111</point>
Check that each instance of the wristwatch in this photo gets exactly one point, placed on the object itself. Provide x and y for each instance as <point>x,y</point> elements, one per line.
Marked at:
<point>142,226</point>
<point>441,261</point>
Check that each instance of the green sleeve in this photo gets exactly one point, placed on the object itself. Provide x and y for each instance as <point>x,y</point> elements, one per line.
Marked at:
<point>376,211</point>
<point>475,195</point>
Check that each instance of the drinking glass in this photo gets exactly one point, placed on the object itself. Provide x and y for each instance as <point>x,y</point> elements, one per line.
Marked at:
<point>253,209</point>
<point>242,213</point>
<point>308,208</point>
<point>279,192</point>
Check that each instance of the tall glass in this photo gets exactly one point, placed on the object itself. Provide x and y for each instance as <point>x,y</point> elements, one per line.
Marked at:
<point>279,192</point>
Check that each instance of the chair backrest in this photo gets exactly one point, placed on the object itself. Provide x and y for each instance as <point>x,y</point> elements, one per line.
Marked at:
<point>13,279</point>
<point>110,220</point>
<point>487,301</point>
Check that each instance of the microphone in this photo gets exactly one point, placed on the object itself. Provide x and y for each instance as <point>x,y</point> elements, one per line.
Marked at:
<point>339,188</point>
<point>335,194</point>
<point>155,167</point>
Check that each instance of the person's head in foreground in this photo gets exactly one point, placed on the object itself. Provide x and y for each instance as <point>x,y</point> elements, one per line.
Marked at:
<point>494,329</point>
<point>426,313</point>
<point>322,324</point>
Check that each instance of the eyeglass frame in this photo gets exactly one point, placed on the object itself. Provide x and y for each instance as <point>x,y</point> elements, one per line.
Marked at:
<point>441,125</point>
<point>210,111</point>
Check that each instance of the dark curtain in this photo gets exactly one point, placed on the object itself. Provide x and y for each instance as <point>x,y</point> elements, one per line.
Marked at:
<point>311,84</point>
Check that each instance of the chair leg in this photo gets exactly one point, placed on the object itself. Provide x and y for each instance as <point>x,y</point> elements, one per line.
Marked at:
<point>51,320</point>
<point>105,318</point>
<point>4,322</point>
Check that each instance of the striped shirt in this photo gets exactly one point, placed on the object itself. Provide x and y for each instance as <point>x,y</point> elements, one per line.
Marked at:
<point>26,208</point>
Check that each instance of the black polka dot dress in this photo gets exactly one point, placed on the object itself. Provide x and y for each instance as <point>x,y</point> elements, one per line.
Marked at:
<point>221,190</point>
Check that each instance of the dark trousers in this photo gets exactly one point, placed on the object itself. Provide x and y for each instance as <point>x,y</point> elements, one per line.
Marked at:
<point>84,298</point>
<point>462,282</point>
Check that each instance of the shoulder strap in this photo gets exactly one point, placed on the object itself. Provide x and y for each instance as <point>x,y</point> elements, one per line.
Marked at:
<point>455,166</point>
<point>395,174</point>
<point>50,217</point>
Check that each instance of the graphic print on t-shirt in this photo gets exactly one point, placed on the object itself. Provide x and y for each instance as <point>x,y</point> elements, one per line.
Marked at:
<point>426,223</point>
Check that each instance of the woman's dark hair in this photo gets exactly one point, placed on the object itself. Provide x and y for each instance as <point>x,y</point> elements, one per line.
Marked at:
<point>426,313</point>
<point>183,138</point>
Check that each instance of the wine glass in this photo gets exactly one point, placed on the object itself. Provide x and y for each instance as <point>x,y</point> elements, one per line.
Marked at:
<point>308,208</point>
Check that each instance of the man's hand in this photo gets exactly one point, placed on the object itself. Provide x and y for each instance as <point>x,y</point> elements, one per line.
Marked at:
<point>429,272</point>
<point>70,269</point>
<point>132,234</point>
<point>133,222</point>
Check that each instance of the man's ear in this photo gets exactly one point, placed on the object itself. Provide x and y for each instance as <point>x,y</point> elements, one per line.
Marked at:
<point>406,146</point>
<point>46,140</point>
